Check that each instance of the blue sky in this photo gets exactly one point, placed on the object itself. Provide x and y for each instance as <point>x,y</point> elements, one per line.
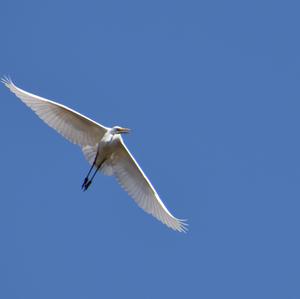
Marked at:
<point>211,91</point>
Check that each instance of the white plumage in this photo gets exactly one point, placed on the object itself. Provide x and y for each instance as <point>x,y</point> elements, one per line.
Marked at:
<point>105,150</point>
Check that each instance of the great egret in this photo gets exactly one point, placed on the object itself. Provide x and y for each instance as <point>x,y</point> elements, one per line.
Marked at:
<point>105,150</point>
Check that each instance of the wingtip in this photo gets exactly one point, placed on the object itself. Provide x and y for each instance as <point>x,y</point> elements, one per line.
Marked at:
<point>178,225</point>
<point>6,80</point>
<point>183,226</point>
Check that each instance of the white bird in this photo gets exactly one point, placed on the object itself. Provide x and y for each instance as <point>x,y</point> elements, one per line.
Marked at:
<point>104,149</point>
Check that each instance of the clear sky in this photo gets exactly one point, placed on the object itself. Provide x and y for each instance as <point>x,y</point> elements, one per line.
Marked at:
<point>211,91</point>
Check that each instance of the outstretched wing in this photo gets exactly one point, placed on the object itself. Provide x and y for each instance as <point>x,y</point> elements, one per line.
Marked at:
<point>135,182</point>
<point>72,125</point>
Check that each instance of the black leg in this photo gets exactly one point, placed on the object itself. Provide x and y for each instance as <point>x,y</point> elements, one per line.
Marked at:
<point>86,179</point>
<point>87,182</point>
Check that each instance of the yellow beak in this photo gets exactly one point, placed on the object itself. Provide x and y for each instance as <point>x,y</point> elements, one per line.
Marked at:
<point>124,130</point>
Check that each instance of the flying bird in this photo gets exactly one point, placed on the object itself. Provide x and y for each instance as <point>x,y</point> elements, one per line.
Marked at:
<point>104,149</point>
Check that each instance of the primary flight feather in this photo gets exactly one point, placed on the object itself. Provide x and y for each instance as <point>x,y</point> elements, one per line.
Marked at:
<point>105,150</point>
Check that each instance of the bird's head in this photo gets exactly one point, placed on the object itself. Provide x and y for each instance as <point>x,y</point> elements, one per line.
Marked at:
<point>119,130</point>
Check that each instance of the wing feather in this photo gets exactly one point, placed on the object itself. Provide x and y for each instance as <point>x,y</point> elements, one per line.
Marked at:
<point>134,181</point>
<point>70,124</point>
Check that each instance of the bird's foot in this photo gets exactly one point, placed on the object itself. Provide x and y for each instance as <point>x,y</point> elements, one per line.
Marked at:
<point>86,183</point>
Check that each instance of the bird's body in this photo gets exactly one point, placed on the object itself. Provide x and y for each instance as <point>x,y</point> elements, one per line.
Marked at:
<point>105,150</point>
